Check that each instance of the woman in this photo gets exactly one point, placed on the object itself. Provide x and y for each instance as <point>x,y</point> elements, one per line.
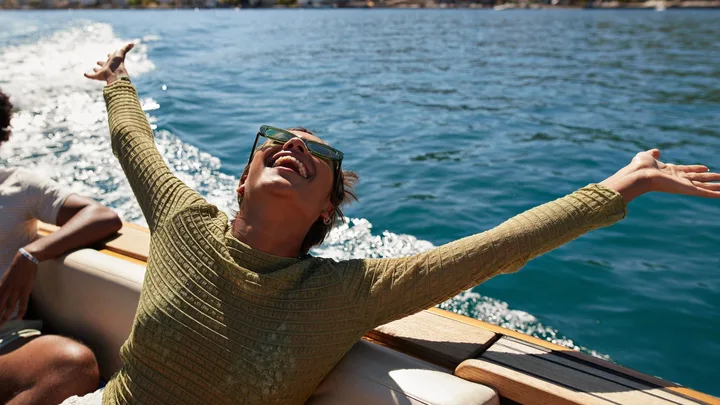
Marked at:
<point>240,314</point>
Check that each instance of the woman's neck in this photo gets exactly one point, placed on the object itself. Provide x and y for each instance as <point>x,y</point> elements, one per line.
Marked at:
<point>269,232</point>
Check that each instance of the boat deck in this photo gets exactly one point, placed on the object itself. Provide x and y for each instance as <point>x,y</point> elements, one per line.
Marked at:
<point>524,369</point>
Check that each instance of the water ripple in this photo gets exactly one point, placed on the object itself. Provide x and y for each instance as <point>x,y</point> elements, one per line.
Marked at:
<point>454,119</point>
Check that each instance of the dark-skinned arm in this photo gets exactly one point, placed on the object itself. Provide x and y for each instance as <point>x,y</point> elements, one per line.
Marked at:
<point>82,222</point>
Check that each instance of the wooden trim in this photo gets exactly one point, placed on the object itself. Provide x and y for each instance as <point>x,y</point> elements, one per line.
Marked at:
<point>422,357</point>
<point>440,340</point>
<point>497,329</point>
<point>123,257</point>
<point>131,240</point>
<point>601,374</point>
<point>137,227</point>
<point>524,372</point>
<point>46,229</point>
<point>690,393</point>
<point>532,391</point>
<point>670,386</point>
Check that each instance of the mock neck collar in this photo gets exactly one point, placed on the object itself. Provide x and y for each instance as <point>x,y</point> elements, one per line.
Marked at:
<point>254,259</point>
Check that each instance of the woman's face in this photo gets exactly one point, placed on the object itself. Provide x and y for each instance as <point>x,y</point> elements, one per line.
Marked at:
<point>292,176</point>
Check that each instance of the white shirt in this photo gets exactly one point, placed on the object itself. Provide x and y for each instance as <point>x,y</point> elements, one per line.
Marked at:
<point>25,198</point>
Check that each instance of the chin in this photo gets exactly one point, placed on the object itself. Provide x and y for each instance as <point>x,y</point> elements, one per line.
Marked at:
<point>277,187</point>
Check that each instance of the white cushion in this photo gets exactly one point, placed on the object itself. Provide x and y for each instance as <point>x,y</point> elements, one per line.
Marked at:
<point>372,374</point>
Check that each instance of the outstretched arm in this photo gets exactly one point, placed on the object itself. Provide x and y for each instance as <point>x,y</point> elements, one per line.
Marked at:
<point>82,222</point>
<point>388,289</point>
<point>159,193</point>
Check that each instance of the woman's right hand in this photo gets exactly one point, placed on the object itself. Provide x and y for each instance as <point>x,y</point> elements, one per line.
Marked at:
<point>113,68</point>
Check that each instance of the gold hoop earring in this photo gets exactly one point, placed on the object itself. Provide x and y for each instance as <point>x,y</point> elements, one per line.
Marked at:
<point>326,221</point>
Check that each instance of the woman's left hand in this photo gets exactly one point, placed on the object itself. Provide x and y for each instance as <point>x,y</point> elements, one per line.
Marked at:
<point>646,174</point>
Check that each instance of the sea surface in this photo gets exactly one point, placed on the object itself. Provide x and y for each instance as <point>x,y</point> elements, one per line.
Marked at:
<point>455,120</point>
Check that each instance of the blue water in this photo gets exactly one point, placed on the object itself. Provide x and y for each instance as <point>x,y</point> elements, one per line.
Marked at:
<point>454,120</point>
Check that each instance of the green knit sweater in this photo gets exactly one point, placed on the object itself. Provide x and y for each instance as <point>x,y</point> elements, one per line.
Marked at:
<point>222,323</point>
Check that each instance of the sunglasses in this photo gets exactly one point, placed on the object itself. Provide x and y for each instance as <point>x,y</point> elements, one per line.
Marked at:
<point>282,136</point>
<point>322,151</point>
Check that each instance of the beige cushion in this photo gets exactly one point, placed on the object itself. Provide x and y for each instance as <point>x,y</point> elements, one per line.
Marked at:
<point>372,374</point>
<point>92,297</point>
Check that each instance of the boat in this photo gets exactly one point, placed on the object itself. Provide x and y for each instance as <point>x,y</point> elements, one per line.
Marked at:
<point>504,6</point>
<point>434,357</point>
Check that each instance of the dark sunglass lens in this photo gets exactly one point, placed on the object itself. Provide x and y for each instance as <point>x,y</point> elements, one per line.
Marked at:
<point>321,150</point>
<point>315,148</point>
<point>268,143</point>
<point>279,136</point>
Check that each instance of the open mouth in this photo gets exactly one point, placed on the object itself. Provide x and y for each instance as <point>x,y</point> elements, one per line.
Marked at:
<point>293,164</point>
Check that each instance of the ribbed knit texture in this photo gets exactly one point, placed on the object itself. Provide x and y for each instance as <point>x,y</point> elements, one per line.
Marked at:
<point>222,323</point>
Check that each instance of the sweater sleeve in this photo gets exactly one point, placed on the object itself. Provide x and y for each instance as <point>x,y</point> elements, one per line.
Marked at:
<point>159,193</point>
<point>389,289</point>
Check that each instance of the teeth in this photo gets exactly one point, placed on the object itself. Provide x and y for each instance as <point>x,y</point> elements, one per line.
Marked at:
<point>300,166</point>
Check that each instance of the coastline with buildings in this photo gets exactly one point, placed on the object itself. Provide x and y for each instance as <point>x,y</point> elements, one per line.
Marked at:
<point>659,5</point>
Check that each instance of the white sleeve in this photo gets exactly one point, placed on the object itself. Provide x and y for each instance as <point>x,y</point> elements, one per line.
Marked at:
<point>43,197</point>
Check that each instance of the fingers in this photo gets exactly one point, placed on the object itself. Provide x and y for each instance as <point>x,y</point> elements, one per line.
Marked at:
<point>11,304</point>
<point>704,192</point>
<point>22,305</point>
<point>703,177</point>
<point>98,73</point>
<point>127,48</point>
<point>112,62</point>
<point>4,292</point>
<point>692,168</point>
<point>655,153</point>
<point>703,186</point>
<point>5,309</point>
<point>708,186</point>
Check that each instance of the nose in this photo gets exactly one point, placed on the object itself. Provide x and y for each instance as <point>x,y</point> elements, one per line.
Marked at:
<point>295,144</point>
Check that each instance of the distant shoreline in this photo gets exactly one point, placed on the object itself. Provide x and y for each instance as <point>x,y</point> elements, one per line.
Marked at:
<point>438,7</point>
<point>659,5</point>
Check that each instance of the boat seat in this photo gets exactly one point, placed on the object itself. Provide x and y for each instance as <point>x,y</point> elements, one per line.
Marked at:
<point>373,374</point>
<point>93,297</point>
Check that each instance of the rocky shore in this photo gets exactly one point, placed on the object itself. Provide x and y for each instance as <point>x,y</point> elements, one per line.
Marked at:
<point>498,5</point>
